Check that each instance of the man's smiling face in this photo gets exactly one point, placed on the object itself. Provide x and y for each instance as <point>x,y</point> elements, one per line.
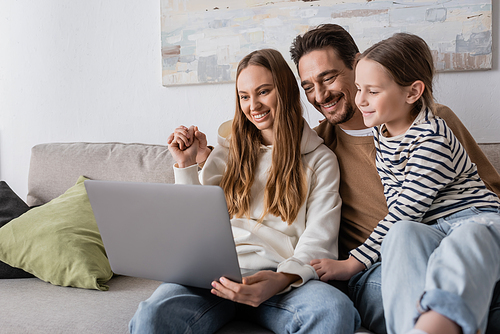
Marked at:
<point>328,84</point>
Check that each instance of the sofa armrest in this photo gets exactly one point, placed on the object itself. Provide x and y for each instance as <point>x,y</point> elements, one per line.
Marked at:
<point>55,167</point>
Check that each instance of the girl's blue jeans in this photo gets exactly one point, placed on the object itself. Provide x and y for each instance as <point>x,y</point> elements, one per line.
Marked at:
<point>315,307</point>
<point>451,267</point>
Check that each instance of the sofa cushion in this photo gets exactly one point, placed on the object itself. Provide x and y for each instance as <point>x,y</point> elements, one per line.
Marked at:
<point>35,307</point>
<point>54,167</point>
<point>59,242</point>
<point>11,206</point>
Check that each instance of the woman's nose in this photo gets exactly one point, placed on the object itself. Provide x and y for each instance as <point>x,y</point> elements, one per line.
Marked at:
<point>255,104</point>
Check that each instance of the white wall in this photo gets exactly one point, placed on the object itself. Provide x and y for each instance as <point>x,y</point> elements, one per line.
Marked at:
<point>91,71</point>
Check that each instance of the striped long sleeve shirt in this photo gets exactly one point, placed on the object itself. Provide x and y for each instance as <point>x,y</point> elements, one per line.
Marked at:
<point>426,174</point>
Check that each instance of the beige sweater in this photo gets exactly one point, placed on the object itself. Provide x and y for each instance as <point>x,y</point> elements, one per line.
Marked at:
<point>363,201</point>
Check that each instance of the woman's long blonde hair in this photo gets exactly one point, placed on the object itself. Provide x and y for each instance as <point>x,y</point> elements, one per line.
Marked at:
<point>286,187</point>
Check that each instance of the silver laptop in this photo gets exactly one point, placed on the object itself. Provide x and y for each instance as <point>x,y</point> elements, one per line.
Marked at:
<point>167,232</point>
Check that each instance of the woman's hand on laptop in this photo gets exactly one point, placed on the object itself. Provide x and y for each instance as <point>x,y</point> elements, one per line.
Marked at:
<point>255,289</point>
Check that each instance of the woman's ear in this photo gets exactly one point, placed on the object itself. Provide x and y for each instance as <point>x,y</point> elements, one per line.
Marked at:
<point>415,91</point>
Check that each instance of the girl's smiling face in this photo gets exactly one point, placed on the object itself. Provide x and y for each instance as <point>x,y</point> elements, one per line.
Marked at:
<point>257,99</point>
<point>381,100</point>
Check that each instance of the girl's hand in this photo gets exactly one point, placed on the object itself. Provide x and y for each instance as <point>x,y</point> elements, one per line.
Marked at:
<point>328,269</point>
<point>255,289</point>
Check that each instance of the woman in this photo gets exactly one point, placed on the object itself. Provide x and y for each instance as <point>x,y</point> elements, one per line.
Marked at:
<point>281,187</point>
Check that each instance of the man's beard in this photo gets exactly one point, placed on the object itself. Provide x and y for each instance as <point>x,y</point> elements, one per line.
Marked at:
<point>340,118</point>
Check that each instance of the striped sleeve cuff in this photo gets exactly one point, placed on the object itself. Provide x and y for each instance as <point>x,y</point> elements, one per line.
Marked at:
<point>365,255</point>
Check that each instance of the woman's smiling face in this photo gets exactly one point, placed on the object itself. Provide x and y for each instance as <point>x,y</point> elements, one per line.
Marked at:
<point>257,99</point>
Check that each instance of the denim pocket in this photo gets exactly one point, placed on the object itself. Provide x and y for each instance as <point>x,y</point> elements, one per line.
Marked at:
<point>448,223</point>
<point>485,210</point>
<point>484,216</point>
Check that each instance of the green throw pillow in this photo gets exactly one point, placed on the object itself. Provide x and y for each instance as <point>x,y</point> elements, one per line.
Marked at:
<point>59,242</point>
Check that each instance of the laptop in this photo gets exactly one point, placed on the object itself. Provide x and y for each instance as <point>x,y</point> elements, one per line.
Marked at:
<point>166,232</point>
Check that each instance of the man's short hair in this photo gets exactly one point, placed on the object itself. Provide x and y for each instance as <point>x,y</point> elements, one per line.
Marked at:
<point>322,37</point>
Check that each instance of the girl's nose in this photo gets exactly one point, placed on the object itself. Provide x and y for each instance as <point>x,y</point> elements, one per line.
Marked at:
<point>360,99</point>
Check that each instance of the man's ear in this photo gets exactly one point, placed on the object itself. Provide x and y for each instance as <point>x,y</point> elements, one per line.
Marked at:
<point>356,59</point>
<point>415,91</point>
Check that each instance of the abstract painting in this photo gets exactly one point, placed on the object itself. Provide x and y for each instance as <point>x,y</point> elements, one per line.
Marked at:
<point>202,41</point>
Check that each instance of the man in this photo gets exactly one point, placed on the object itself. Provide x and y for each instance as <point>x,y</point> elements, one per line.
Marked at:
<point>325,59</point>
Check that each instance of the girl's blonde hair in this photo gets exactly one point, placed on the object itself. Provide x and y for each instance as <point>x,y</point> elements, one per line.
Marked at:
<point>286,187</point>
<point>407,58</point>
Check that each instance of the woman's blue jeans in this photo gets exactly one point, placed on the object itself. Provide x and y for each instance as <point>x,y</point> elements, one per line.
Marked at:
<point>315,307</point>
<point>454,271</point>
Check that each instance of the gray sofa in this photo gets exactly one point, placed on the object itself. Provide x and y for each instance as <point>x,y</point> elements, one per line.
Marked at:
<point>33,306</point>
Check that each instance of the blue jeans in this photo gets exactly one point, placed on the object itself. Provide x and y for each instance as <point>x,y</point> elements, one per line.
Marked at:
<point>439,267</point>
<point>494,317</point>
<point>315,307</point>
<point>365,288</point>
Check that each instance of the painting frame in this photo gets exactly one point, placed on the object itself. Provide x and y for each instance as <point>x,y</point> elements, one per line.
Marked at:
<point>202,41</point>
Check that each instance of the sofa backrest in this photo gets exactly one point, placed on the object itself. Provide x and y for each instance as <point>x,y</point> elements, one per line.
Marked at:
<point>55,167</point>
<point>492,152</point>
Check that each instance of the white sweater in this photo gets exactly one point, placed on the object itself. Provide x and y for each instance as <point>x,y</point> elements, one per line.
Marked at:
<point>274,243</point>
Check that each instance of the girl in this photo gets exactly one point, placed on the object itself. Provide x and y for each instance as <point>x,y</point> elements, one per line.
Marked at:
<point>281,188</point>
<point>428,178</point>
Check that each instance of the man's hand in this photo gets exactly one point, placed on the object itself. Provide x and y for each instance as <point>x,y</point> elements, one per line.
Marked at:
<point>203,149</point>
<point>328,269</point>
<point>180,145</point>
<point>183,137</point>
<point>255,289</point>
